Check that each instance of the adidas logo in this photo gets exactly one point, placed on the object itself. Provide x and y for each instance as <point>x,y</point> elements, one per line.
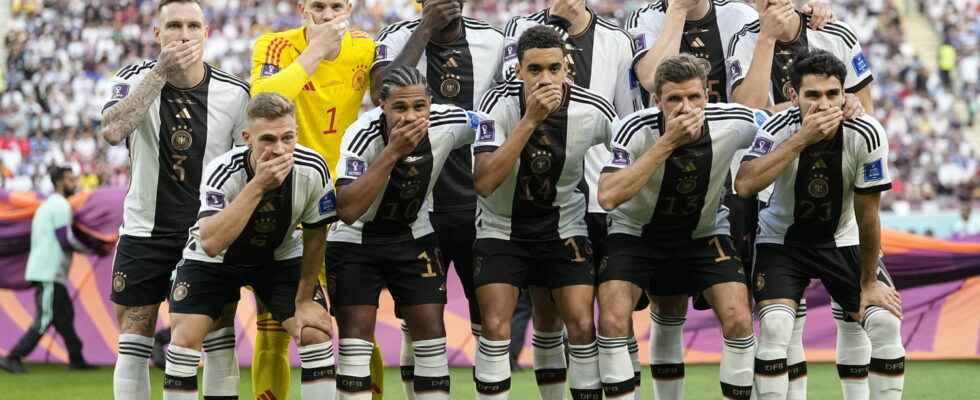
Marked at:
<point>697,42</point>
<point>268,207</point>
<point>184,113</point>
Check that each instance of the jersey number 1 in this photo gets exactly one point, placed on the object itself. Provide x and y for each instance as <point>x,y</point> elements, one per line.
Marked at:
<point>332,112</point>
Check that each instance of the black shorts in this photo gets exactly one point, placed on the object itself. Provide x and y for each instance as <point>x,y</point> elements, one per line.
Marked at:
<point>142,268</point>
<point>456,232</point>
<point>553,264</point>
<point>686,268</point>
<point>205,288</point>
<point>412,271</point>
<point>596,223</point>
<point>784,272</point>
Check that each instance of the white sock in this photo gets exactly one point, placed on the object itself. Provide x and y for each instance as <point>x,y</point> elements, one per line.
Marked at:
<point>634,350</point>
<point>319,376</point>
<point>492,370</point>
<point>406,359</point>
<point>131,376</point>
<point>550,370</point>
<point>736,367</point>
<point>220,364</point>
<point>354,370</point>
<point>887,369</point>
<point>180,379</point>
<point>431,369</point>
<point>796,357</point>
<point>775,329</point>
<point>583,370</point>
<point>667,356</point>
<point>615,368</point>
<point>853,356</point>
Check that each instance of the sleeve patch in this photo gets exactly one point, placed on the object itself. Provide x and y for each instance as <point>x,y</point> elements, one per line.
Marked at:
<point>760,118</point>
<point>120,91</point>
<point>860,64</point>
<point>510,52</point>
<point>761,146</point>
<point>269,69</point>
<point>735,69</point>
<point>328,203</point>
<point>474,120</point>
<point>873,171</point>
<point>620,157</point>
<point>355,167</point>
<point>215,199</point>
<point>486,131</point>
<point>381,52</point>
<point>639,42</point>
<point>634,81</point>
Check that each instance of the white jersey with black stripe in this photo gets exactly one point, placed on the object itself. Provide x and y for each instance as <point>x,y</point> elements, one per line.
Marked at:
<point>683,198</point>
<point>182,131</point>
<point>305,198</point>
<point>541,199</point>
<point>400,211</point>
<point>813,198</point>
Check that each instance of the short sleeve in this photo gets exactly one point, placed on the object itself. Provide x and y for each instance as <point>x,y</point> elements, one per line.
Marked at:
<point>390,43</point>
<point>321,204</point>
<point>858,68</point>
<point>464,134</point>
<point>356,148</point>
<point>603,130</point>
<point>627,95</point>
<point>871,148</point>
<point>124,82</point>
<point>61,215</point>
<point>644,28</point>
<point>742,48</point>
<point>512,32</point>
<point>626,144</point>
<point>763,143</point>
<point>748,132</point>
<point>498,120</point>
<point>213,198</point>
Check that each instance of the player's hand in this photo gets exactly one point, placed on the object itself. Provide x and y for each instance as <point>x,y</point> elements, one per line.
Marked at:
<point>310,314</point>
<point>177,56</point>
<point>820,14</point>
<point>567,9</point>
<point>405,136</point>
<point>820,124</point>
<point>437,14</point>
<point>543,100</point>
<point>683,127</point>
<point>327,36</point>
<point>852,106</point>
<point>881,295</point>
<point>684,6</point>
<point>777,15</point>
<point>273,170</point>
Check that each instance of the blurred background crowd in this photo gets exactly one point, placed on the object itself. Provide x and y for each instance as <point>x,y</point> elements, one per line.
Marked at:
<point>60,54</point>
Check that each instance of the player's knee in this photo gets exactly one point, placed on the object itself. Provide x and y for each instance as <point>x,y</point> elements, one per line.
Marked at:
<point>776,327</point>
<point>136,320</point>
<point>581,329</point>
<point>613,324</point>
<point>495,327</point>
<point>312,335</point>
<point>737,322</point>
<point>882,326</point>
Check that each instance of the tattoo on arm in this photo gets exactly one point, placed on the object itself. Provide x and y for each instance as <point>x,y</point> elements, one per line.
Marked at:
<point>121,119</point>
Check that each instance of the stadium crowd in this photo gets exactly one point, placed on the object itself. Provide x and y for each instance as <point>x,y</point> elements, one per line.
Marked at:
<point>61,54</point>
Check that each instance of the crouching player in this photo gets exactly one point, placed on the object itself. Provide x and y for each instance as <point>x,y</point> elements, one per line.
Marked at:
<point>252,198</point>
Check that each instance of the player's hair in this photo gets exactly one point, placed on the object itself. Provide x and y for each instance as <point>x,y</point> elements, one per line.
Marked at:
<point>816,62</point>
<point>399,77</point>
<point>57,173</point>
<point>681,68</point>
<point>166,2</point>
<point>269,106</point>
<point>540,37</point>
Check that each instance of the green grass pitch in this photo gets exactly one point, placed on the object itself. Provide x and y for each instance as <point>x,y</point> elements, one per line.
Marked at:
<point>924,380</point>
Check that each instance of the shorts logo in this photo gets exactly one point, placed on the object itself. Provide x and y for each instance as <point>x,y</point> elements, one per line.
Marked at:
<point>120,91</point>
<point>760,118</point>
<point>620,157</point>
<point>510,52</point>
<point>118,282</point>
<point>355,167</point>
<point>873,171</point>
<point>328,203</point>
<point>486,131</point>
<point>639,42</point>
<point>860,64</point>
<point>180,291</point>
<point>473,120</point>
<point>269,70</point>
<point>761,146</point>
<point>215,199</point>
<point>381,53</point>
<point>760,281</point>
<point>603,264</point>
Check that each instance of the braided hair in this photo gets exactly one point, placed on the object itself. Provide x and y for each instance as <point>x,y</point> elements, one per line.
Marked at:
<point>399,77</point>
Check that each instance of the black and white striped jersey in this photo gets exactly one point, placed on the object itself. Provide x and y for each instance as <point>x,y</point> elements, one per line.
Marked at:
<point>541,199</point>
<point>459,73</point>
<point>707,38</point>
<point>602,62</point>
<point>812,204</point>
<point>836,38</point>
<point>306,197</point>
<point>400,212</point>
<point>683,198</point>
<point>182,132</point>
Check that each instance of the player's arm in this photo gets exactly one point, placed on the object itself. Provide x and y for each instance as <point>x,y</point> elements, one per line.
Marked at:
<point>667,44</point>
<point>288,81</point>
<point>219,229</point>
<point>766,160</point>
<point>618,186</point>
<point>490,168</point>
<point>354,197</point>
<point>121,119</point>
<point>754,89</point>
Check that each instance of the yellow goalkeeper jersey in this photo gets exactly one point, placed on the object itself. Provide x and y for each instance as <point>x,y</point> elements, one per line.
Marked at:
<point>326,102</point>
